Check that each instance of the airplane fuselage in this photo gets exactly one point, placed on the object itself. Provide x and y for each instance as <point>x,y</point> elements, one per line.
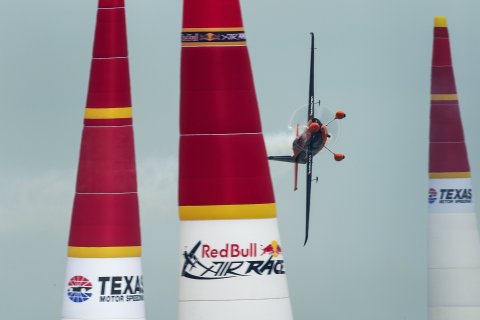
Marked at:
<point>300,144</point>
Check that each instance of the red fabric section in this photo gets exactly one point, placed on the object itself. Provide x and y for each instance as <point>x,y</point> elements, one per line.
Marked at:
<point>223,170</point>
<point>440,32</point>
<point>447,148</point>
<point>107,122</point>
<point>110,34</point>
<point>105,220</point>
<point>109,85</point>
<point>211,14</point>
<point>111,3</point>
<point>217,91</point>
<point>443,80</point>
<point>107,160</point>
<point>441,53</point>
<point>448,157</point>
<point>446,124</point>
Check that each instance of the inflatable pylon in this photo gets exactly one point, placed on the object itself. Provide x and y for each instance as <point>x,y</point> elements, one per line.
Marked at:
<point>104,274</point>
<point>453,241</point>
<point>232,263</point>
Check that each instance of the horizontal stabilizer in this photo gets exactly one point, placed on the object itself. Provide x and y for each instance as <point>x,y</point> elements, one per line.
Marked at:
<point>282,158</point>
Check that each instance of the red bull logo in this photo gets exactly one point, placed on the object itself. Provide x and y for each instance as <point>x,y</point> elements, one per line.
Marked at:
<point>272,249</point>
<point>205,262</point>
<point>234,250</point>
<point>210,37</point>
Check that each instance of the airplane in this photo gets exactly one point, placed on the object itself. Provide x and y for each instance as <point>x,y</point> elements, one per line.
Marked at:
<point>191,259</point>
<point>313,139</point>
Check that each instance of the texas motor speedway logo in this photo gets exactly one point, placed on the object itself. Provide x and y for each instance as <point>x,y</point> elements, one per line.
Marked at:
<point>206,262</point>
<point>462,195</point>
<point>79,289</point>
<point>112,289</point>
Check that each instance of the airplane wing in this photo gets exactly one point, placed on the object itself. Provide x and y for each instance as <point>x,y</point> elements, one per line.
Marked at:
<point>309,190</point>
<point>311,103</point>
<point>282,158</point>
<point>311,115</point>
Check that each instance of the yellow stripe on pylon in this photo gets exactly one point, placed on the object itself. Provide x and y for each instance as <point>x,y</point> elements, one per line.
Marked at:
<point>104,252</point>
<point>444,97</point>
<point>228,212</point>
<point>108,113</point>
<point>449,175</point>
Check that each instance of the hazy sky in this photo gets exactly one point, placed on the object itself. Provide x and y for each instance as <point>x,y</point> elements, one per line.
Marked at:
<point>366,257</point>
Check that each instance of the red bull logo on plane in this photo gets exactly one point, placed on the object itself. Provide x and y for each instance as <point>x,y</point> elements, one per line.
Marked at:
<point>209,262</point>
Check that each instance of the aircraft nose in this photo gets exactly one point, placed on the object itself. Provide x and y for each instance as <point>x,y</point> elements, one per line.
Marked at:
<point>314,127</point>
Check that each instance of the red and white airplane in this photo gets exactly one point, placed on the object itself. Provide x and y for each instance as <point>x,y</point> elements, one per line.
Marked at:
<point>313,139</point>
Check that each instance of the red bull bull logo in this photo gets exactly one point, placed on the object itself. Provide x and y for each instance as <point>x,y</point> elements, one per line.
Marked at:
<point>272,249</point>
<point>210,37</point>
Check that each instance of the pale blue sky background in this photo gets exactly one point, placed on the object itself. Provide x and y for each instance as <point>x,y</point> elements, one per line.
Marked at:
<point>366,259</point>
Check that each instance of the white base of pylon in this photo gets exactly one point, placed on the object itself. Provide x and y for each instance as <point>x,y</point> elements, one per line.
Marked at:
<point>453,240</point>
<point>454,313</point>
<point>235,310</point>
<point>232,269</point>
<point>454,260</point>
<point>103,318</point>
<point>454,266</point>
<point>103,288</point>
<point>454,287</point>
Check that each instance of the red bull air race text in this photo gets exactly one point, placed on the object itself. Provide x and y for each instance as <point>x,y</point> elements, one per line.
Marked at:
<point>208,262</point>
